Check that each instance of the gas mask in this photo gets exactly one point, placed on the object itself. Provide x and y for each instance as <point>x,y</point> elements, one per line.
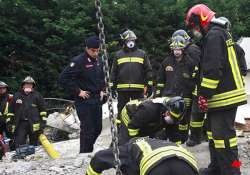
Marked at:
<point>130,44</point>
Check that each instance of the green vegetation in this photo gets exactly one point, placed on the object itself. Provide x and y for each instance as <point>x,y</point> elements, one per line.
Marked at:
<point>39,37</point>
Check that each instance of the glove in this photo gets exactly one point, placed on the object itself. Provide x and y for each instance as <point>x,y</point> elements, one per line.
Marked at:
<point>203,104</point>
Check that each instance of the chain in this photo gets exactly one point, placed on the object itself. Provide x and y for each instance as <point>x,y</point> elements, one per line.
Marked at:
<point>105,59</point>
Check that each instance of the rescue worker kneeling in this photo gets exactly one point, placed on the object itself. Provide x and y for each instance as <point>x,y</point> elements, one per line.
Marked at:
<point>141,118</point>
<point>27,113</point>
<point>146,156</point>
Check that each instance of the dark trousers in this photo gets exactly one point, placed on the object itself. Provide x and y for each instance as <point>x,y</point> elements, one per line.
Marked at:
<point>125,96</point>
<point>184,125</point>
<point>22,131</point>
<point>90,116</point>
<point>222,141</point>
<point>197,121</point>
<point>172,166</point>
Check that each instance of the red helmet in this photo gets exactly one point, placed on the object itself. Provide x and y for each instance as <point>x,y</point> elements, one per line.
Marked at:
<point>199,15</point>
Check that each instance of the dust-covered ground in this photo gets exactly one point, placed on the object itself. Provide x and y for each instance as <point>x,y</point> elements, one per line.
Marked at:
<point>41,164</point>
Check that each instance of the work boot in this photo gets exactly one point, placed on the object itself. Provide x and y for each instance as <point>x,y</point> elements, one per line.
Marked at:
<point>190,142</point>
<point>209,171</point>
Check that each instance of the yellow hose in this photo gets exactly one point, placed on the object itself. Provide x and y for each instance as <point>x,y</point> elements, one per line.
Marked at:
<point>48,147</point>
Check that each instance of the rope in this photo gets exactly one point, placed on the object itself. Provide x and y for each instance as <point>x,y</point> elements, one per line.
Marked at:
<point>105,59</point>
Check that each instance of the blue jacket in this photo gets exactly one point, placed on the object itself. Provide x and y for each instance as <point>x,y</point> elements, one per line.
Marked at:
<point>83,73</point>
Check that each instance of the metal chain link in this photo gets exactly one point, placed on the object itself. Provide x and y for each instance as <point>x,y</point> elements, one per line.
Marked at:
<point>105,59</point>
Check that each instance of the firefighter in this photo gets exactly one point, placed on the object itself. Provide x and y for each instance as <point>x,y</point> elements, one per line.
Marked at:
<point>28,114</point>
<point>5,100</point>
<point>220,91</point>
<point>146,156</point>
<point>175,75</point>
<point>197,117</point>
<point>147,117</point>
<point>131,72</point>
<point>84,79</point>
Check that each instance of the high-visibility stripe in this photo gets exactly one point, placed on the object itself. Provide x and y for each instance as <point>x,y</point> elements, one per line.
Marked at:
<point>183,127</point>
<point>43,113</point>
<point>111,84</point>
<point>209,83</point>
<point>36,127</point>
<point>196,124</point>
<point>130,60</point>
<point>44,118</point>
<point>178,143</point>
<point>124,116</point>
<point>158,92</point>
<point>234,66</point>
<point>219,143</point>
<point>195,90</point>
<point>177,116</point>
<point>133,132</point>
<point>187,101</point>
<point>168,151</point>
<point>90,171</point>
<point>140,86</point>
<point>150,83</point>
<point>160,85</point>
<point>117,121</point>
<point>227,95</point>
<point>7,119</point>
<point>227,102</point>
<point>6,109</point>
<point>144,147</point>
<point>10,114</point>
<point>193,74</point>
<point>209,135</point>
<point>233,142</point>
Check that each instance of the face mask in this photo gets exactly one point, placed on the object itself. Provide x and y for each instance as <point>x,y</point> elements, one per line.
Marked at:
<point>27,90</point>
<point>197,35</point>
<point>130,44</point>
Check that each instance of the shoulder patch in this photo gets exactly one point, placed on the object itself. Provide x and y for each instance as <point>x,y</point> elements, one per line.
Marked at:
<point>19,101</point>
<point>169,68</point>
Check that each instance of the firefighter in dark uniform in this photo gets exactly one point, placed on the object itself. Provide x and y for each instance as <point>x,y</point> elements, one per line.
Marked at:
<point>131,72</point>
<point>220,91</point>
<point>5,101</point>
<point>146,156</point>
<point>197,117</point>
<point>146,117</point>
<point>175,75</point>
<point>84,79</point>
<point>28,114</point>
